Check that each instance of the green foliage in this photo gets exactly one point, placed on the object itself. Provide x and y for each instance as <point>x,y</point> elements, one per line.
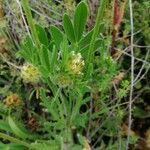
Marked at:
<point>11,146</point>
<point>123,89</point>
<point>74,104</point>
<point>69,29</point>
<point>57,35</point>
<point>62,73</point>
<point>15,129</point>
<point>74,31</point>
<point>80,19</point>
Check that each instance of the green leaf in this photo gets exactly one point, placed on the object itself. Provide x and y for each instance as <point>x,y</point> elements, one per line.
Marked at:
<point>52,145</point>
<point>97,114</point>
<point>57,35</point>
<point>54,59</point>
<point>86,40</point>
<point>4,126</point>
<point>27,50</point>
<point>97,45</point>
<point>42,35</point>
<point>35,60</point>
<point>80,18</point>
<point>90,71</point>
<point>44,72</point>
<point>46,102</point>
<point>16,130</point>
<point>44,55</point>
<point>68,27</point>
<point>81,120</point>
<point>64,48</point>
<point>11,146</point>
<point>23,54</point>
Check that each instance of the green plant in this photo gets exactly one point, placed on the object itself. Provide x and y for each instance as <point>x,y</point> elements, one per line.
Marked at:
<point>66,87</point>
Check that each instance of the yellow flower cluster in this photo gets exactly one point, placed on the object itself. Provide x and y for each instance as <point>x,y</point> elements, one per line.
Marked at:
<point>30,73</point>
<point>12,100</point>
<point>76,63</point>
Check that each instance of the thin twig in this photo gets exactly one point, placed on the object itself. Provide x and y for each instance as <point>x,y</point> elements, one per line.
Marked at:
<point>9,63</point>
<point>130,55</point>
<point>141,69</point>
<point>63,4</point>
<point>50,19</point>
<point>142,76</point>
<point>140,46</point>
<point>49,8</point>
<point>132,74</point>
<point>23,18</point>
<point>135,33</point>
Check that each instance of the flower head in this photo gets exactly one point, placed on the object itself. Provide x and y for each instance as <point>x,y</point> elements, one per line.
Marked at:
<point>12,100</point>
<point>63,80</point>
<point>76,63</point>
<point>30,73</point>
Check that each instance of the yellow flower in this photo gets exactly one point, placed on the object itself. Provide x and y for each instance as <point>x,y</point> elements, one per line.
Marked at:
<point>12,100</point>
<point>76,63</point>
<point>30,73</point>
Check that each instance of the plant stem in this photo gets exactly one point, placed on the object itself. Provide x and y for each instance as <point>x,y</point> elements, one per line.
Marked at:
<point>14,140</point>
<point>23,18</point>
<point>132,74</point>
<point>26,7</point>
<point>96,30</point>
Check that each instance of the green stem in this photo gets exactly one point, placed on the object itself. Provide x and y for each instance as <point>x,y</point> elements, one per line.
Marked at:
<point>96,30</point>
<point>14,140</point>
<point>26,7</point>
